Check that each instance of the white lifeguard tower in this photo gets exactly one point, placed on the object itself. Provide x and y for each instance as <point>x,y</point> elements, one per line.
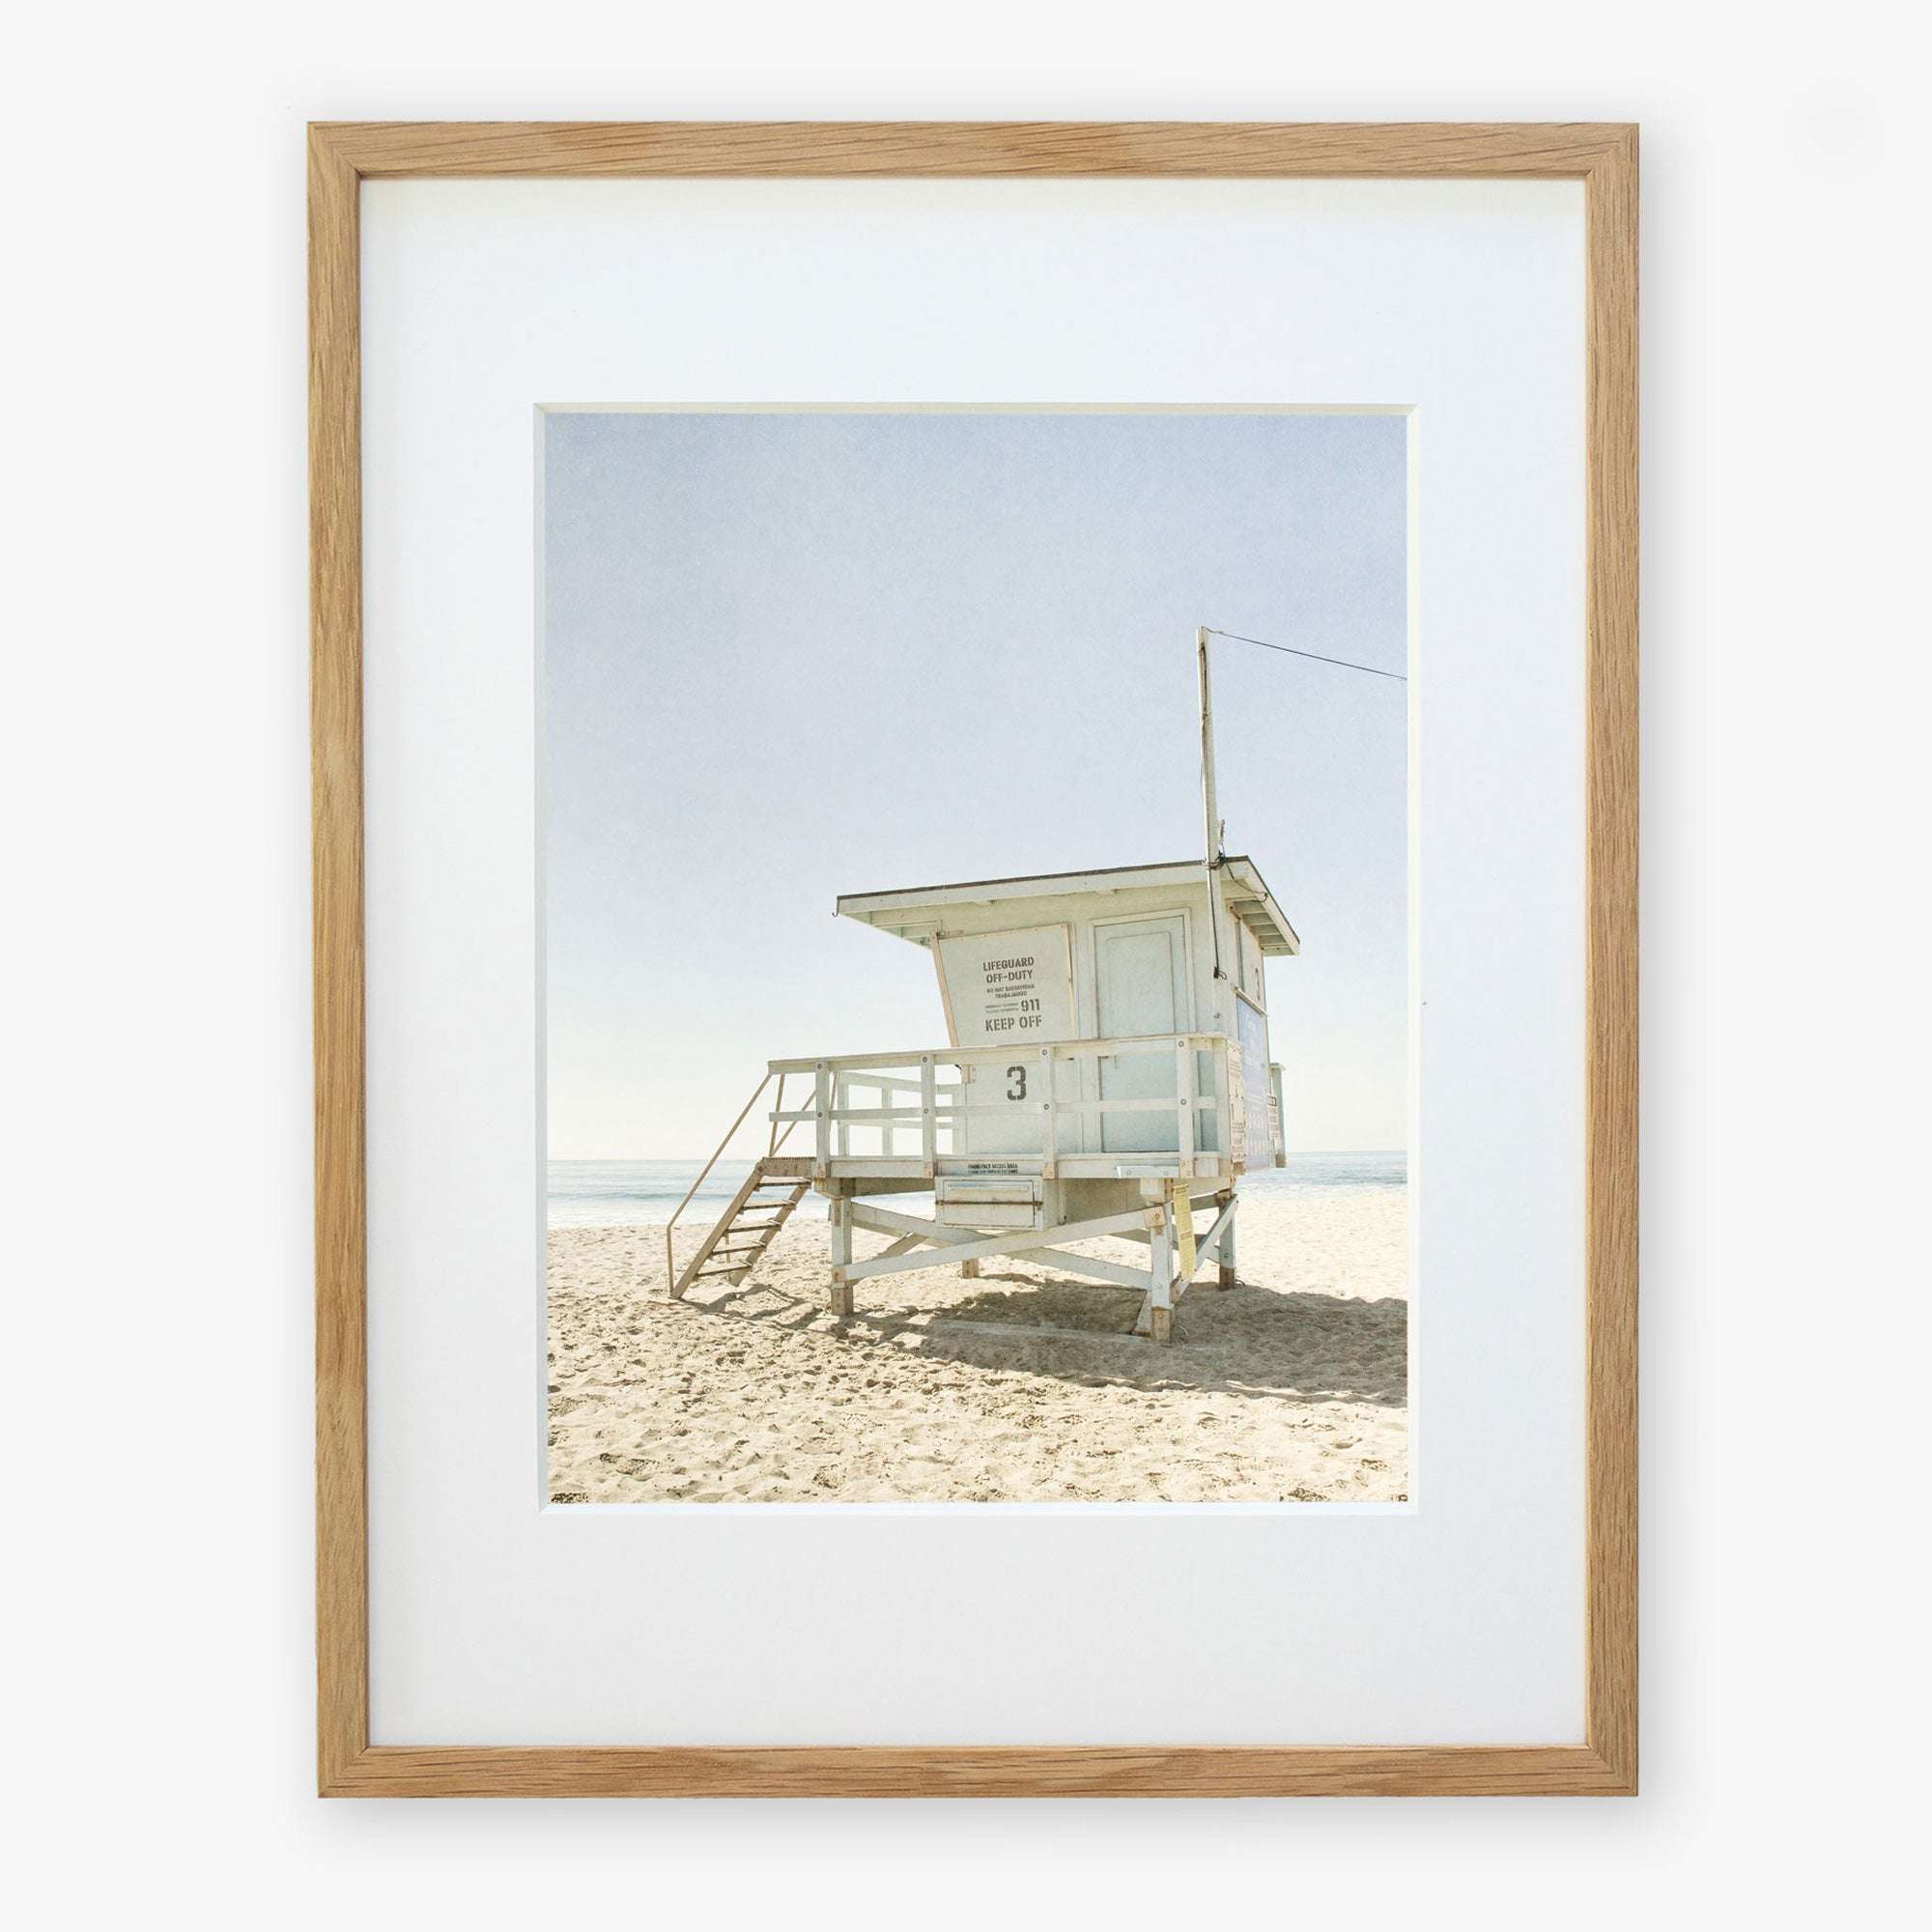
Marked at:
<point>1106,1074</point>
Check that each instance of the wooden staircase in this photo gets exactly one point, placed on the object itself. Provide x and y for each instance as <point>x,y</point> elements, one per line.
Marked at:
<point>748,1227</point>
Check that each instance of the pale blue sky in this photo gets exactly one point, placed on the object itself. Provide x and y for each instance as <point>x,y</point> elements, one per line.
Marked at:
<point>793,655</point>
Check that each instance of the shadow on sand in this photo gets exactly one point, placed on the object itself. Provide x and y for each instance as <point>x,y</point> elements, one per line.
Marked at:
<point>1243,1341</point>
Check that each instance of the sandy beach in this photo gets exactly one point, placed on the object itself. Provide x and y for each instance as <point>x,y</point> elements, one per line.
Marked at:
<point>1022,1387</point>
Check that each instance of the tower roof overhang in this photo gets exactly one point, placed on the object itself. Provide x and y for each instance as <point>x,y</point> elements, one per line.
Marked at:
<point>913,911</point>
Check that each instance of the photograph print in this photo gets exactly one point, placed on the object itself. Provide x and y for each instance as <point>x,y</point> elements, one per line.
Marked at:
<point>976,885</point>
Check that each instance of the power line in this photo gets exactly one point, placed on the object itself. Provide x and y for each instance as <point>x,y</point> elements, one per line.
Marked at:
<point>1290,650</point>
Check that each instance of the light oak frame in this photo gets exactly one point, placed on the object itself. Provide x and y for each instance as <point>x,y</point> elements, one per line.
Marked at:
<point>341,155</point>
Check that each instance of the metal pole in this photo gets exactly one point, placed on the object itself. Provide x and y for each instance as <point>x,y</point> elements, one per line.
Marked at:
<point>1209,811</point>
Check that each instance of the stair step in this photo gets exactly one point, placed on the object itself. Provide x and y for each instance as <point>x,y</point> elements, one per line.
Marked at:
<point>744,1232</point>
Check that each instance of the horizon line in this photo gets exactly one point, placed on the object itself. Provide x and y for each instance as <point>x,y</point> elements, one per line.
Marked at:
<point>606,1157</point>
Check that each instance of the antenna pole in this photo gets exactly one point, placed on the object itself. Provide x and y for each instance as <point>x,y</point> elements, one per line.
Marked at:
<point>1209,814</point>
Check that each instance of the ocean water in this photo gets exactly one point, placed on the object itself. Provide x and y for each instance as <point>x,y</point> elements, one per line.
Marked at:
<point>642,1193</point>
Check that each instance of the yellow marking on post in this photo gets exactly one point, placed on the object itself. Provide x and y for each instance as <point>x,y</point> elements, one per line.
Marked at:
<point>1183,1225</point>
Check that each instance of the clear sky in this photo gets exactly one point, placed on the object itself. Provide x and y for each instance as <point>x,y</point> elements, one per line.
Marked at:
<point>793,655</point>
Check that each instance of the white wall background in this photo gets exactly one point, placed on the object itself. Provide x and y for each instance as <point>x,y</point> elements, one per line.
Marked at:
<point>154,765</point>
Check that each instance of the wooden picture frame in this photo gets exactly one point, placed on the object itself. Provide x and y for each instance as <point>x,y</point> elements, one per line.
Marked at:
<point>341,155</point>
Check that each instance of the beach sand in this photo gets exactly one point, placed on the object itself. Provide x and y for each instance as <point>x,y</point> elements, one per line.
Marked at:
<point>1022,1387</point>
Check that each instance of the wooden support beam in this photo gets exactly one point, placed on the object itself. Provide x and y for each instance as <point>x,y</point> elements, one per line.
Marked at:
<point>938,1235</point>
<point>1188,1096</point>
<point>1157,1316</point>
<point>1209,1247</point>
<point>840,1213</point>
<point>1160,1292</point>
<point>1223,1242</point>
<point>889,1221</point>
<point>1157,1225</point>
<point>1016,1241</point>
<point>1090,1265</point>
<point>1219,1230</point>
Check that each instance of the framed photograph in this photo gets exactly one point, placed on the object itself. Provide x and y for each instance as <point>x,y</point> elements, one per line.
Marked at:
<point>975,958</point>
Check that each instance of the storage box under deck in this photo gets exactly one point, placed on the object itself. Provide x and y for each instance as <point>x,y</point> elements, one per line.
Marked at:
<point>988,1201</point>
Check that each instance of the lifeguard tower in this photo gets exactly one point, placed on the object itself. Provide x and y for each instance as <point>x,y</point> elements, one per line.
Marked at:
<point>1106,1074</point>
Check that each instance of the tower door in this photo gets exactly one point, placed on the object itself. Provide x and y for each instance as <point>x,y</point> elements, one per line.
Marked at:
<point>1141,973</point>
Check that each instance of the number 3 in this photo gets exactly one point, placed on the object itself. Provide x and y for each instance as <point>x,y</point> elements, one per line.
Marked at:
<point>1017,1091</point>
